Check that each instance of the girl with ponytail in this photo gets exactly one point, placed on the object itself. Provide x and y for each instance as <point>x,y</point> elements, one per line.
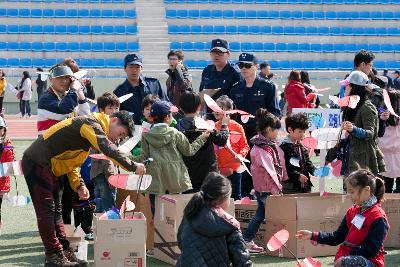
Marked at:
<point>363,229</point>
<point>207,228</point>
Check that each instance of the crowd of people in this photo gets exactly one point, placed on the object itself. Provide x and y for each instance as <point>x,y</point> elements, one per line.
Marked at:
<point>207,163</point>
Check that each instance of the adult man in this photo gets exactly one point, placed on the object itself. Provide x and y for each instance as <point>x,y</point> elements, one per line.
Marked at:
<point>41,85</point>
<point>265,70</point>
<point>138,85</point>
<point>396,80</point>
<point>219,75</point>
<point>61,150</point>
<point>363,61</point>
<point>386,74</point>
<point>179,80</point>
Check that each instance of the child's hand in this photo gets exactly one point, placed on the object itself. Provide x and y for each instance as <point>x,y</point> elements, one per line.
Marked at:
<point>303,180</point>
<point>348,126</point>
<point>206,134</point>
<point>83,193</point>
<point>238,158</point>
<point>140,169</point>
<point>385,115</point>
<point>304,235</point>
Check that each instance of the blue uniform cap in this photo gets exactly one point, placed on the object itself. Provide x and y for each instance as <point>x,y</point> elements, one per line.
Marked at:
<point>133,59</point>
<point>162,109</point>
<point>248,58</point>
<point>219,44</point>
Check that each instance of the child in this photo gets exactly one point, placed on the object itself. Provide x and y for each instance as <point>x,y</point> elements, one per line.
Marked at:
<point>229,156</point>
<point>108,103</point>
<point>6,155</point>
<point>363,229</point>
<point>208,235</point>
<point>267,169</point>
<point>298,163</point>
<point>204,161</point>
<point>166,145</point>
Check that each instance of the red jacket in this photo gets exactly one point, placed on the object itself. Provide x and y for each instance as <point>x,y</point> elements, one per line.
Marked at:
<point>295,96</point>
<point>6,156</point>
<point>357,237</point>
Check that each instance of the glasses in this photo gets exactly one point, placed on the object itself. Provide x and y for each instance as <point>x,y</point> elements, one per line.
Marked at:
<point>245,65</point>
<point>217,52</point>
<point>173,59</point>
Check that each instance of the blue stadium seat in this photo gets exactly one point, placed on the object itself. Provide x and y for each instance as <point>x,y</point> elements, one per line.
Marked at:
<point>345,65</point>
<point>296,64</point>
<point>71,13</point>
<point>388,15</point>
<point>251,14</point>
<point>339,47</point>
<point>3,46</point>
<point>231,29</point>
<point>37,46</point>
<point>366,31</point>
<point>201,46</point>
<point>234,46</point>
<point>304,47</point>
<point>315,47</point>
<point>293,47</point>
<point>379,64</point>
<point>376,15</point>
<point>265,29</point>
<point>360,46</point>
<point>321,65</point>
<point>277,30</point>
<point>228,14</point>
<point>381,31</point>
<point>176,46</point>
<point>119,13</point>
<point>95,13</point>
<point>311,30</point>
<point>254,29</point>
<point>85,47</point>
<point>187,46</point>
<point>108,29</point>
<point>109,47</point>
<point>38,62</point>
<point>375,48</point>
<point>48,13</point>
<point>3,62</point>
<point>121,47</point>
<point>330,15</point>
<point>86,63</point>
<point>245,47</point>
<point>390,47</point>
<point>170,13</point>
<point>332,64</point>
<point>323,31</point>
<point>12,28</point>
<point>3,12</point>
<point>119,29</point>
<point>60,29</point>
<point>98,63</point>
<point>12,46</point>
<point>110,63</point>
<point>72,29</point>
<point>194,14</point>
<point>106,13</point>
<point>173,29</point>
<point>181,14</point>
<point>296,15</point>
<point>24,29</point>
<point>350,47</point>
<point>281,47</point>
<point>61,46</point>
<point>319,15</point>
<point>392,65</point>
<point>207,29</point>
<point>273,14</point>
<point>25,46</point>
<point>288,30</point>
<point>131,29</point>
<point>12,12</point>
<point>308,15</point>
<point>96,29</point>
<point>83,13</point>
<point>243,29</point>
<point>347,31</point>
<point>327,48</point>
<point>284,64</point>
<point>269,47</point>
<point>73,47</point>
<point>308,65</point>
<point>97,47</point>
<point>25,62</point>
<point>49,46</point>
<point>36,29</point>
<point>195,29</point>
<point>343,15</point>
<point>59,13</point>
<point>24,13</point>
<point>205,14</point>
<point>393,31</point>
<point>217,14</point>
<point>13,62</point>
<point>219,29</point>
<point>284,14</point>
<point>365,15</point>
<point>240,14</point>
<point>257,47</point>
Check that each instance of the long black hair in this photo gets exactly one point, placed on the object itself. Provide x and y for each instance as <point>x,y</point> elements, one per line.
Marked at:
<point>394,96</point>
<point>265,119</point>
<point>25,75</point>
<point>362,92</point>
<point>215,189</point>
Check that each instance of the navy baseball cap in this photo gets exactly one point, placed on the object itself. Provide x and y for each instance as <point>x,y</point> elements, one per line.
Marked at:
<point>219,44</point>
<point>397,71</point>
<point>248,58</point>
<point>133,59</point>
<point>162,108</point>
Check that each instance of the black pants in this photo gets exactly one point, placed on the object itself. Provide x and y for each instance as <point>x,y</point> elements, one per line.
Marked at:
<point>1,200</point>
<point>1,104</point>
<point>25,107</point>
<point>389,183</point>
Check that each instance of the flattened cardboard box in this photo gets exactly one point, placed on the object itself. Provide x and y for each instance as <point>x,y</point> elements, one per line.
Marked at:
<point>305,211</point>
<point>244,213</point>
<point>143,205</point>
<point>167,219</point>
<point>391,206</point>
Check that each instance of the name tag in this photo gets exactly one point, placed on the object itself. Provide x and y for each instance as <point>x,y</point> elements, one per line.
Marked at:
<point>358,221</point>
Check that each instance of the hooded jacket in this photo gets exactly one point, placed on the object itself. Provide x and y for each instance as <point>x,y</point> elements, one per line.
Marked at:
<point>204,161</point>
<point>268,167</point>
<point>179,81</point>
<point>297,162</point>
<point>295,96</point>
<point>212,238</point>
<point>166,145</point>
<point>7,155</point>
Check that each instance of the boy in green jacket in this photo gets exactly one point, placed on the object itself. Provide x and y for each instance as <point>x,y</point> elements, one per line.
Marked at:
<point>166,145</point>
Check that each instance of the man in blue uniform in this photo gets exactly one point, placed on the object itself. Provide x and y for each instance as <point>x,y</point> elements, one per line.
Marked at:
<point>138,85</point>
<point>221,74</point>
<point>250,94</point>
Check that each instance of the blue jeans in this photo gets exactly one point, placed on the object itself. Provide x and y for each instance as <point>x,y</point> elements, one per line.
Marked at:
<point>359,261</point>
<point>236,181</point>
<point>105,192</point>
<point>25,107</point>
<point>258,218</point>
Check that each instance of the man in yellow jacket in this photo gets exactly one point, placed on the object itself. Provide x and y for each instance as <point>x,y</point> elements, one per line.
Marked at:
<point>61,150</point>
<point>3,85</point>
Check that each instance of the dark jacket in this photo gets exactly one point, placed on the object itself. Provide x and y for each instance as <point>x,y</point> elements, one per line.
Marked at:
<point>211,240</point>
<point>41,85</point>
<point>305,166</point>
<point>134,104</point>
<point>178,82</point>
<point>204,161</point>
<point>225,79</point>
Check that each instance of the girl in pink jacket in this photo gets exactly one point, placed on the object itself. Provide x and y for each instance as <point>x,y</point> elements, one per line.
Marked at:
<point>267,168</point>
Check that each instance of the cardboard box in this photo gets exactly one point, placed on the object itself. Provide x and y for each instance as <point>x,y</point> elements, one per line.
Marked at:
<point>304,211</point>
<point>120,242</point>
<point>244,213</point>
<point>391,205</point>
<point>142,205</point>
<point>167,219</point>
<point>76,241</point>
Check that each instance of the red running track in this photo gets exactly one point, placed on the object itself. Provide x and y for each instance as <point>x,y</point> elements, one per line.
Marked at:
<point>21,128</point>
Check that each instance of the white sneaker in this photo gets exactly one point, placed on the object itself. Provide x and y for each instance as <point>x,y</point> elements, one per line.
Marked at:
<point>253,248</point>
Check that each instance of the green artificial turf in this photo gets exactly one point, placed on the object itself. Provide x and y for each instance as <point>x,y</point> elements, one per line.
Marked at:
<point>20,244</point>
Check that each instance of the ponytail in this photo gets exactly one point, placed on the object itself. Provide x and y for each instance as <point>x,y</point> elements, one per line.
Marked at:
<point>215,189</point>
<point>379,189</point>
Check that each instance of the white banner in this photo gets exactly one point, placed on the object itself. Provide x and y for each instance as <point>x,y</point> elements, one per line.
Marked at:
<point>321,118</point>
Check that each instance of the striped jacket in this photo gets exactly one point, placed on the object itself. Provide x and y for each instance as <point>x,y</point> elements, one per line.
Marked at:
<point>65,146</point>
<point>53,109</point>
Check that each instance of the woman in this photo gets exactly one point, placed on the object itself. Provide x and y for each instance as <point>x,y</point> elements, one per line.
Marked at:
<point>3,85</point>
<point>305,80</point>
<point>295,93</point>
<point>25,92</point>
<point>361,123</point>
